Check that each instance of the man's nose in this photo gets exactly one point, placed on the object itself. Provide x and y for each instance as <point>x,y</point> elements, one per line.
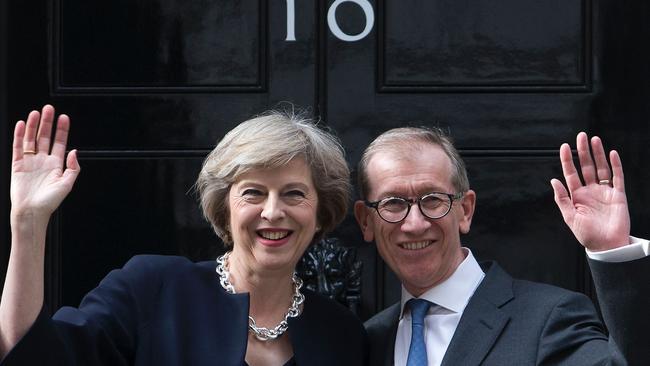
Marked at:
<point>273,208</point>
<point>415,222</point>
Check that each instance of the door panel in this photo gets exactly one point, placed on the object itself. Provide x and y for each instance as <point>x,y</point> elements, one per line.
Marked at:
<point>465,45</point>
<point>169,45</point>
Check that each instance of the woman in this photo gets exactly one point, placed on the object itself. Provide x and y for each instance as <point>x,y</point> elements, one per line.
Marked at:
<point>271,186</point>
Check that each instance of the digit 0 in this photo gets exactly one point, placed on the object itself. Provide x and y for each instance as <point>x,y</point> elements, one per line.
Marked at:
<point>334,26</point>
<point>331,20</point>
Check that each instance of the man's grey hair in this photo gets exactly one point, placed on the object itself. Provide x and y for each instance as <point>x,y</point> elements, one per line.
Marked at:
<point>398,140</point>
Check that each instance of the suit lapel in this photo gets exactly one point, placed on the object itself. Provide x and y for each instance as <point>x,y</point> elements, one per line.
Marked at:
<point>390,341</point>
<point>382,331</point>
<point>230,313</point>
<point>483,319</point>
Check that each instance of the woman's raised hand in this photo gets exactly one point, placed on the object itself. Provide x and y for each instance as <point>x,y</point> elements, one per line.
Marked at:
<point>41,176</point>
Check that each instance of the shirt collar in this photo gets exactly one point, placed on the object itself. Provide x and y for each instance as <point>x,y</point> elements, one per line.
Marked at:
<point>453,293</point>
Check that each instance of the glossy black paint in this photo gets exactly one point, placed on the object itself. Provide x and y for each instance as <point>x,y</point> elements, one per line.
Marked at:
<point>465,44</point>
<point>517,221</point>
<point>151,86</point>
<point>159,44</point>
<point>5,142</point>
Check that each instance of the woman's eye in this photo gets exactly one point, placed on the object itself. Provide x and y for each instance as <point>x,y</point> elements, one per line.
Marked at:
<point>294,197</point>
<point>251,192</point>
<point>252,195</point>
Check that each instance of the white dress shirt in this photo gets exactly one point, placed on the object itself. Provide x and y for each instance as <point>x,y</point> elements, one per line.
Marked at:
<point>450,298</point>
<point>637,249</point>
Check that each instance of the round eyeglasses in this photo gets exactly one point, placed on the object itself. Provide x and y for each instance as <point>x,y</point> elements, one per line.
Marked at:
<point>433,205</point>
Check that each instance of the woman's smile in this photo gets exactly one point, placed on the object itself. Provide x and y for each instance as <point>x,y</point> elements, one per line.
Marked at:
<point>273,215</point>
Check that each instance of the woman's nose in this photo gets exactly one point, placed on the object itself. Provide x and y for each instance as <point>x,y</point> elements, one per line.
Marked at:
<point>273,208</point>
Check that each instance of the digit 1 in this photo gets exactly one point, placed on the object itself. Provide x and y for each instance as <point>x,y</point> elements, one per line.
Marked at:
<point>291,20</point>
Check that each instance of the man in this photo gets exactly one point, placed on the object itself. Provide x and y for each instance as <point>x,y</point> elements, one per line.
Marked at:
<point>416,204</point>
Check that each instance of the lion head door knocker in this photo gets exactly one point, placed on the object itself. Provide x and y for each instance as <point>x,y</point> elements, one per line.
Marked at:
<point>333,270</point>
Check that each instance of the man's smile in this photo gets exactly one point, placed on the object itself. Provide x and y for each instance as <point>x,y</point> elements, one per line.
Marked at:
<point>416,245</point>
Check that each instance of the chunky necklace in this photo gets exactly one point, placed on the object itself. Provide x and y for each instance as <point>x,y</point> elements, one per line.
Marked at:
<point>261,333</point>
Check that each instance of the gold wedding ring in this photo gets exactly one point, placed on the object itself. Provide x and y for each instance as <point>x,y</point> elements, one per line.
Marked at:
<point>604,181</point>
<point>31,152</point>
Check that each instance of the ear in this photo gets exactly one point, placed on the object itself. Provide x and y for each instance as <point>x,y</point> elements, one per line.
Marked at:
<point>467,204</point>
<point>362,214</point>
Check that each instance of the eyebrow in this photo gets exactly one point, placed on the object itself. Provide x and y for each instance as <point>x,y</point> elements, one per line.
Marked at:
<point>289,185</point>
<point>389,194</point>
<point>299,185</point>
<point>420,193</point>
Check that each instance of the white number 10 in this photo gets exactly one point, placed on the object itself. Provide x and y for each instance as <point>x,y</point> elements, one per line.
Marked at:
<point>331,20</point>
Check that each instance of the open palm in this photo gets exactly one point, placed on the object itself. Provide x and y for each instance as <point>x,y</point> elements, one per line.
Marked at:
<point>596,211</point>
<point>41,176</point>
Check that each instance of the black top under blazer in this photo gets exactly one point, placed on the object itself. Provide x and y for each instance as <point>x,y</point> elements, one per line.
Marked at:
<point>164,310</point>
<point>515,322</point>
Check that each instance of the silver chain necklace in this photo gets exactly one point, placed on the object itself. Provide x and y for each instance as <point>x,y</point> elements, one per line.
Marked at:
<point>261,333</point>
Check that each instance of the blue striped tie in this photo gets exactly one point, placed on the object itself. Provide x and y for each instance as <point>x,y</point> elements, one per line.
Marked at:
<point>417,350</point>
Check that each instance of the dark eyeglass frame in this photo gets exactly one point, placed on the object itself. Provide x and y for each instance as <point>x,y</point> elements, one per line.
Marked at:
<point>411,201</point>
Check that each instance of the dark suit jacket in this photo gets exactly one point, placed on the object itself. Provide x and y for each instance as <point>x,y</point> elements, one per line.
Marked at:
<point>514,322</point>
<point>161,310</point>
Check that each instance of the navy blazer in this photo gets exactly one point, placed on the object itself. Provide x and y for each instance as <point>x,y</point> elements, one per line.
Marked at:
<point>514,322</point>
<point>163,310</point>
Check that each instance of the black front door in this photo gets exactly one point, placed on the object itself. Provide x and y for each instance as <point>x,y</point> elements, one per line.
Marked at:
<point>152,85</point>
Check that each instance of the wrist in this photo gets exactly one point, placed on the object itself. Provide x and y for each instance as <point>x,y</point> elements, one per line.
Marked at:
<point>28,224</point>
<point>18,215</point>
<point>614,244</point>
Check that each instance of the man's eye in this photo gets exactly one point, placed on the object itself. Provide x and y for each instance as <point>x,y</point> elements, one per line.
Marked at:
<point>392,204</point>
<point>432,201</point>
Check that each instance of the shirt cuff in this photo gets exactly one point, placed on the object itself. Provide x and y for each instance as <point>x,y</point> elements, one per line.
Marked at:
<point>637,249</point>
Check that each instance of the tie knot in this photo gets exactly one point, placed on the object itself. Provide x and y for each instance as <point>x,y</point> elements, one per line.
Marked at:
<point>419,308</point>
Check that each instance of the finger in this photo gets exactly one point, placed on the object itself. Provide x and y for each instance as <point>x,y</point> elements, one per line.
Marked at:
<point>617,168</point>
<point>602,167</point>
<point>584,156</point>
<point>61,137</point>
<point>72,168</point>
<point>19,134</point>
<point>569,169</point>
<point>29,139</point>
<point>72,162</point>
<point>563,201</point>
<point>45,130</point>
